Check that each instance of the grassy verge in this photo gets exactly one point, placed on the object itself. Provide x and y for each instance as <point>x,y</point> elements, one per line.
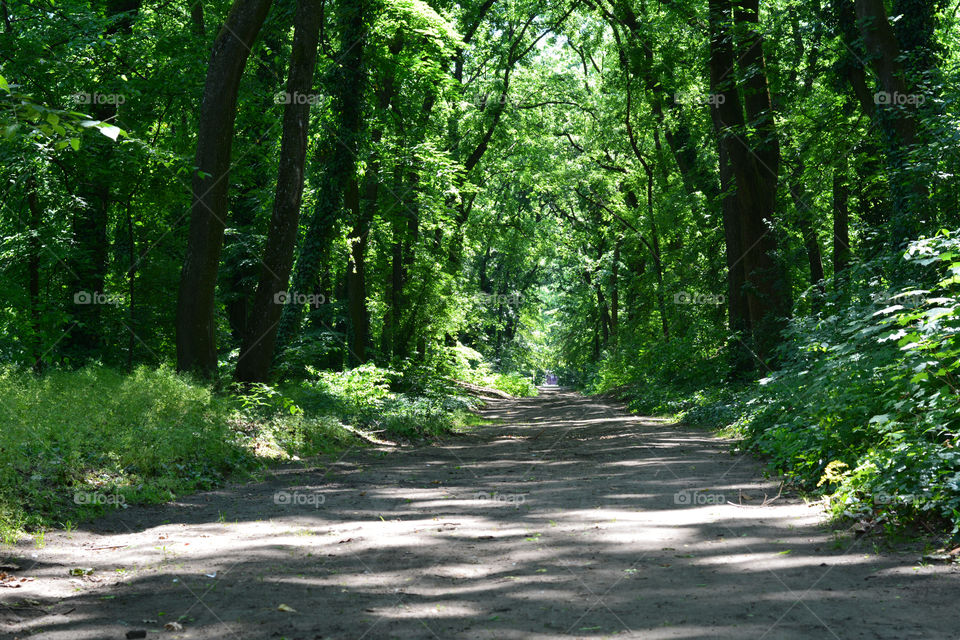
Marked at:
<point>864,408</point>
<point>75,444</point>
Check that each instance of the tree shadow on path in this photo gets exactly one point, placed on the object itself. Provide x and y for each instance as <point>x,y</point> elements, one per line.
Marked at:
<point>564,517</point>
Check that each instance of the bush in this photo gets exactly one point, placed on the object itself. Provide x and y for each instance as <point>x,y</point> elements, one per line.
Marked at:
<point>466,364</point>
<point>668,378</point>
<point>363,397</point>
<point>866,404</point>
<point>153,434</point>
<point>143,436</point>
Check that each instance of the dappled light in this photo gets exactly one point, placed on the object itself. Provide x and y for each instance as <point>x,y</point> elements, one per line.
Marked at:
<point>465,539</point>
<point>486,319</point>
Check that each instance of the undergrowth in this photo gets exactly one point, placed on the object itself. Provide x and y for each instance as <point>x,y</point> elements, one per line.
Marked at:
<point>77,443</point>
<point>864,406</point>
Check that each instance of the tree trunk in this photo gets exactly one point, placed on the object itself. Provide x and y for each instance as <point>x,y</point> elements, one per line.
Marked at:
<point>256,356</point>
<point>755,167</point>
<point>884,53</point>
<point>195,324</point>
<point>241,266</point>
<point>615,290</point>
<point>738,312</point>
<point>337,155</point>
<point>357,276</point>
<point>897,119</point>
<point>196,18</point>
<point>805,222</point>
<point>841,221</point>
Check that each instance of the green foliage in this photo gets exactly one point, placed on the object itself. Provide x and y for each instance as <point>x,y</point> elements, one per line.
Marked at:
<point>20,115</point>
<point>363,397</point>
<point>151,435</point>
<point>464,363</point>
<point>866,405</point>
<point>145,436</point>
<point>531,186</point>
<point>661,378</point>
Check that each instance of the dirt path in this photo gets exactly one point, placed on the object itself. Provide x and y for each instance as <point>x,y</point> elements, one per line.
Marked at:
<point>564,518</point>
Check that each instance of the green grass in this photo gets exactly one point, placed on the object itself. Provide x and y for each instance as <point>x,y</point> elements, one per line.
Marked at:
<point>77,443</point>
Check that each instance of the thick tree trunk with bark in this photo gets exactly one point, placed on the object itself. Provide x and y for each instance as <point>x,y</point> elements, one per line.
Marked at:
<point>337,155</point>
<point>897,116</point>
<point>196,325</point>
<point>357,276</point>
<point>240,269</point>
<point>256,356</point>
<point>884,55</point>
<point>738,314</point>
<point>755,164</point>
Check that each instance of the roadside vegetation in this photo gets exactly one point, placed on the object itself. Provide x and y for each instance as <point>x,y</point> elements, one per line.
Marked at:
<point>78,443</point>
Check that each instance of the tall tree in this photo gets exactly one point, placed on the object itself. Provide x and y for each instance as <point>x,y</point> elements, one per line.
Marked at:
<point>737,46</point>
<point>196,303</point>
<point>256,354</point>
<point>336,157</point>
<point>897,113</point>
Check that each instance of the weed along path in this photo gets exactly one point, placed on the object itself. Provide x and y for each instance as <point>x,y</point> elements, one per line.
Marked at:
<point>563,517</point>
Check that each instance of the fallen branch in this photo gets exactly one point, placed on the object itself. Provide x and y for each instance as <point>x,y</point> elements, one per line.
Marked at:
<point>367,437</point>
<point>478,390</point>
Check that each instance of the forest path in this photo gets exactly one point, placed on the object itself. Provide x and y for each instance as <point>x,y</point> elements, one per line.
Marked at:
<point>564,517</point>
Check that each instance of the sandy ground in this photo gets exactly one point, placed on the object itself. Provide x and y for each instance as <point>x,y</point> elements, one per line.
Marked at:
<point>564,517</point>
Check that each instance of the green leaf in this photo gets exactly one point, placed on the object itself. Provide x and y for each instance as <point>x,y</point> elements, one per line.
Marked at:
<point>110,131</point>
<point>939,312</point>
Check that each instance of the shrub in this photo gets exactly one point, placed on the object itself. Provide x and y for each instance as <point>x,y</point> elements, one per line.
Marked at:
<point>866,405</point>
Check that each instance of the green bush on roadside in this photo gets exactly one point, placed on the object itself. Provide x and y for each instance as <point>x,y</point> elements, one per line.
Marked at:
<point>149,435</point>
